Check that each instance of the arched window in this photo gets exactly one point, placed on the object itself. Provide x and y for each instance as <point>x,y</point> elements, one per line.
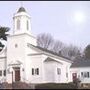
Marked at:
<point>18,24</point>
<point>27,25</point>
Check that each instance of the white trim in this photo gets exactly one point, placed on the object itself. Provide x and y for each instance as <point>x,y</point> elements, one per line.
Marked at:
<point>53,60</point>
<point>22,34</point>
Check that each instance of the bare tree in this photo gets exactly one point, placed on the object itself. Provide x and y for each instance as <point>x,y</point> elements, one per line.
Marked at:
<point>65,51</point>
<point>71,51</point>
<point>45,40</point>
<point>57,46</point>
<point>87,52</point>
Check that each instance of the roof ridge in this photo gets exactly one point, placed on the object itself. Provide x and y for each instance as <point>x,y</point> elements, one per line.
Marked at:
<point>50,52</point>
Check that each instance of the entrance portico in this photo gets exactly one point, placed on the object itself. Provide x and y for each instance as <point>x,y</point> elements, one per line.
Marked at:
<point>14,71</point>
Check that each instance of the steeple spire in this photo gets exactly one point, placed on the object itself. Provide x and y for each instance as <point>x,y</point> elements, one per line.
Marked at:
<point>21,9</point>
<point>21,2</point>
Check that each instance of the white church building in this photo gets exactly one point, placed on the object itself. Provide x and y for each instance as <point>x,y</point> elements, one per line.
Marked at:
<point>22,60</point>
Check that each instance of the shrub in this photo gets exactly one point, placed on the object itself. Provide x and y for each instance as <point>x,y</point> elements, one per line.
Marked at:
<point>77,82</point>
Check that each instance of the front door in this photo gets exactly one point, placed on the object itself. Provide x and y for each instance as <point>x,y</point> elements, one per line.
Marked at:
<point>74,76</point>
<point>17,74</point>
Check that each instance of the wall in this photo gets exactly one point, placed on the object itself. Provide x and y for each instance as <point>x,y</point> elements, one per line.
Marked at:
<point>64,69</point>
<point>3,63</point>
<point>78,70</point>
<point>15,53</point>
<point>20,52</point>
<point>35,61</point>
<point>24,53</point>
<point>2,68</point>
<point>50,71</point>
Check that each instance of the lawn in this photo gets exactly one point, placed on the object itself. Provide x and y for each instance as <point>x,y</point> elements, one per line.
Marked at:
<point>23,85</point>
<point>55,86</point>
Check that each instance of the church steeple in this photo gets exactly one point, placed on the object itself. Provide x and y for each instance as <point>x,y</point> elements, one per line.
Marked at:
<point>22,22</point>
<point>21,9</point>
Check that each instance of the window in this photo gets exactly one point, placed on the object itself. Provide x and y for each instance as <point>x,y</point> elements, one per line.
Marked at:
<point>27,25</point>
<point>81,74</point>
<point>32,71</point>
<point>88,74</point>
<point>16,45</point>
<point>35,71</point>
<point>67,75</point>
<point>85,74</point>
<point>58,71</point>
<point>18,24</point>
<point>0,73</point>
<point>4,73</point>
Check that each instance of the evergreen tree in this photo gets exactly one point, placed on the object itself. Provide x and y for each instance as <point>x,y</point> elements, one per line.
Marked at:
<point>3,35</point>
<point>87,52</point>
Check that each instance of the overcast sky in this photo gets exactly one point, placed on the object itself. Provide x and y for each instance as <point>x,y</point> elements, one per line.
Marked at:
<point>67,21</point>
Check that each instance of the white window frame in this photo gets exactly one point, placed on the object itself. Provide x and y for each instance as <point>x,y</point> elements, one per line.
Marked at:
<point>1,72</point>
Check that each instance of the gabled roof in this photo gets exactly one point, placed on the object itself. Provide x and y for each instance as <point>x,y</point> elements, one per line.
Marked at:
<point>48,51</point>
<point>81,63</point>
<point>15,63</point>
<point>50,59</point>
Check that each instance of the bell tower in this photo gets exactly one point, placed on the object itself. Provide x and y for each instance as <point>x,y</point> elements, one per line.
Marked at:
<point>18,46</point>
<point>21,22</point>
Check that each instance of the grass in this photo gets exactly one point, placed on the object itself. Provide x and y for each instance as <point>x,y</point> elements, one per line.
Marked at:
<point>22,85</point>
<point>55,86</point>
